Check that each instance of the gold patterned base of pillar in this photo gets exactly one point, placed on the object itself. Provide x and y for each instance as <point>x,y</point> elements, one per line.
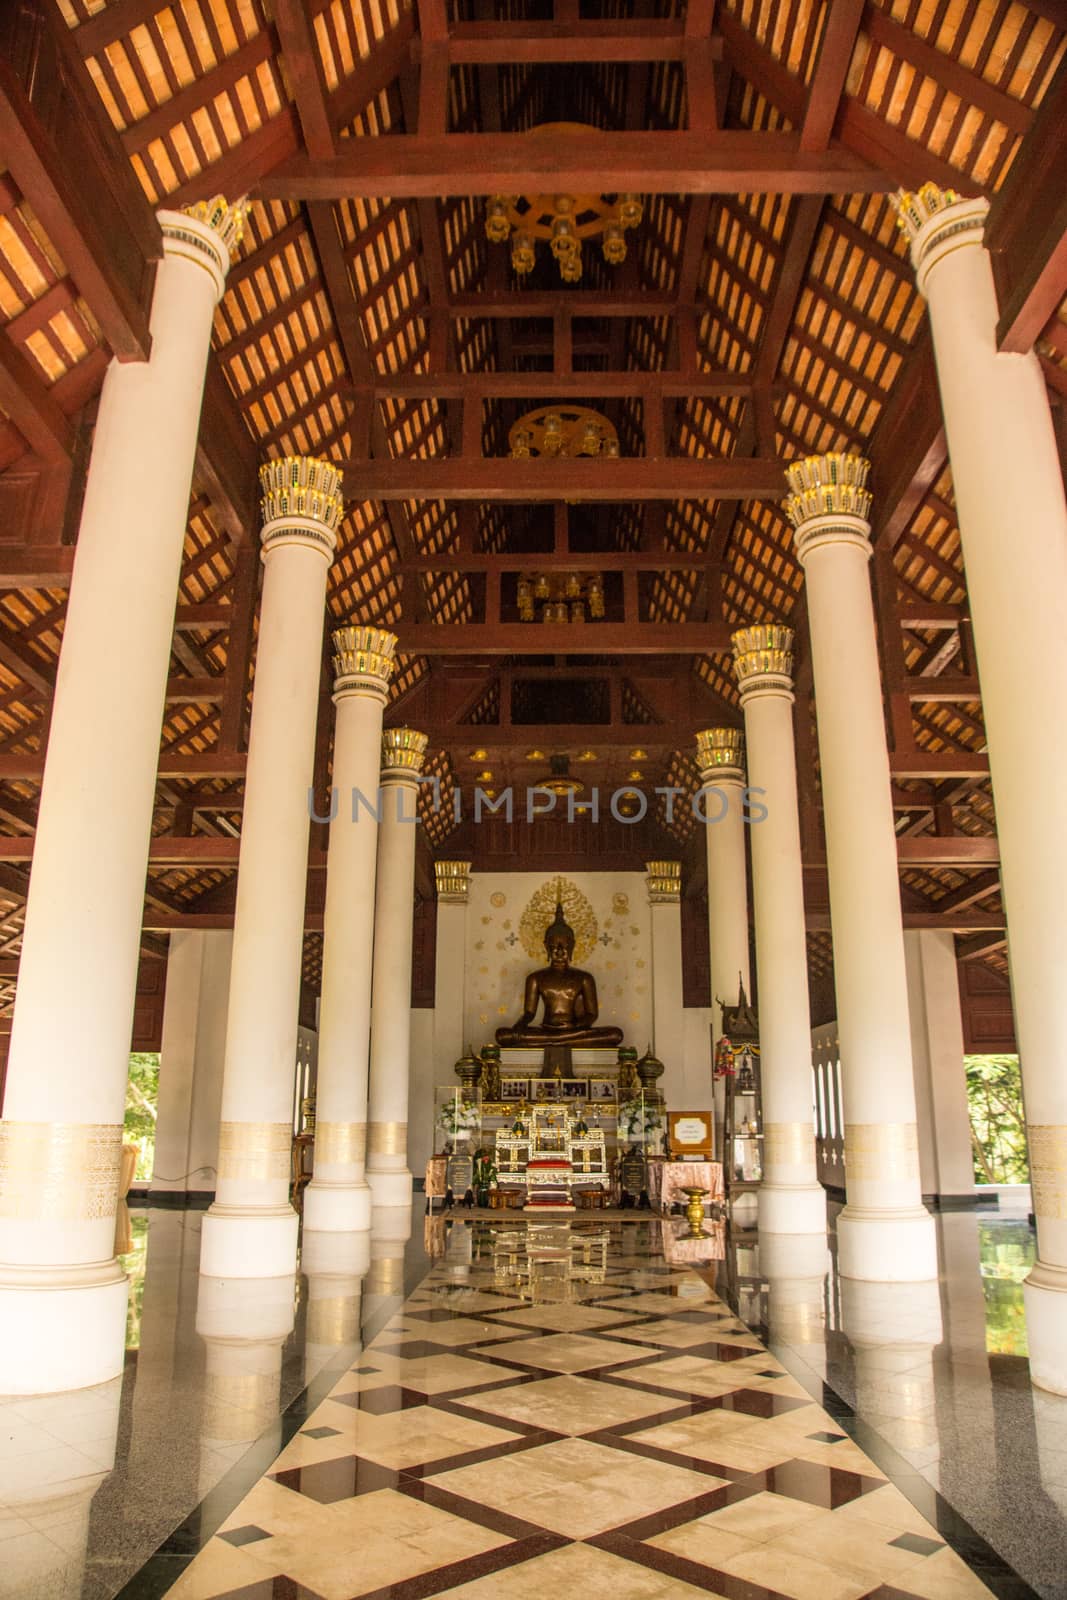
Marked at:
<point>260,1151</point>
<point>1048,1168</point>
<point>788,1144</point>
<point>881,1152</point>
<point>340,1144</point>
<point>59,1171</point>
<point>387,1139</point>
<point>386,1276</point>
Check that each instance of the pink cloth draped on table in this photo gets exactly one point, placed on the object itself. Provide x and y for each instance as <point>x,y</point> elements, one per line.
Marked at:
<point>667,1179</point>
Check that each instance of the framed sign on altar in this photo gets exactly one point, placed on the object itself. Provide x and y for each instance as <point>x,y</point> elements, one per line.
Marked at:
<point>691,1135</point>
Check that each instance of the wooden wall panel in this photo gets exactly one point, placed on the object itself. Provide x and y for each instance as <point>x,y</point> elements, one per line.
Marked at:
<point>988,1019</point>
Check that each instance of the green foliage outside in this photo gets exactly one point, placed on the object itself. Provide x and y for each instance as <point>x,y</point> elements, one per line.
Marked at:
<point>998,1130</point>
<point>142,1093</point>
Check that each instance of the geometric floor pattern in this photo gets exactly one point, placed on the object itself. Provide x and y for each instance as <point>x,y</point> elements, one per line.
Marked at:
<point>563,1416</point>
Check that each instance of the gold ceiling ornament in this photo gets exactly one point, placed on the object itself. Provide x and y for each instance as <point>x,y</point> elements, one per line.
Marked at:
<point>540,913</point>
<point>825,485</point>
<point>562,430</point>
<point>763,650</point>
<point>564,221</point>
<point>558,780</point>
<point>561,596</point>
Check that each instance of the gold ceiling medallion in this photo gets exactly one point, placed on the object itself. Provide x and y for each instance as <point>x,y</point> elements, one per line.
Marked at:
<point>564,220</point>
<point>559,781</point>
<point>562,430</point>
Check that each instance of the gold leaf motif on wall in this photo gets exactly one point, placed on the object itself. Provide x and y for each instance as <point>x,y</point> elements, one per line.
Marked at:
<point>541,911</point>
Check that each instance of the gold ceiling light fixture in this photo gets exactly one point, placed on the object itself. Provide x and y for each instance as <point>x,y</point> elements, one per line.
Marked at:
<point>560,596</point>
<point>559,781</point>
<point>638,755</point>
<point>564,221</point>
<point>562,430</point>
<point>535,755</point>
<point>479,755</point>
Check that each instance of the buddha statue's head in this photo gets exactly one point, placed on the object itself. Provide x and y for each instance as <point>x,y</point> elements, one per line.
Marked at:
<point>559,939</point>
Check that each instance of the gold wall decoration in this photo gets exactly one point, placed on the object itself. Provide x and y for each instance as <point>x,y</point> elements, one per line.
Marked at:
<point>881,1150</point>
<point>541,911</point>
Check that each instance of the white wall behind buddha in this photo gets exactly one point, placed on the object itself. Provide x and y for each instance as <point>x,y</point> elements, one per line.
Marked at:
<point>497,962</point>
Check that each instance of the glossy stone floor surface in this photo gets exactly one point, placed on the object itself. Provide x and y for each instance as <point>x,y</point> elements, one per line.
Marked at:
<point>564,1402</point>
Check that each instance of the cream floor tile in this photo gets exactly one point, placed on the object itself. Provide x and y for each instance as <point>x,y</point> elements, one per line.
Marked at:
<point>763,1517</point>
<point>427,1374</point>
<point>569,1404</point>
<point>564,1352</point>
<point>576,1569</point>
<point>278,1511</point>
<point>889,1509</point>
<point>376,1540</point>
<point>463,1331</point>
<point>943,1576</point>
<point>577,1488</point>
<point>854,1546</point>
<point>684,1334</point>
<point>845,1455</point>
<point>402,1438</point>
<point>561,1318</point>
<point>795,1575</point>
<point>702,1541</point>
<point>688,1375</point>
<point>218,1568</point>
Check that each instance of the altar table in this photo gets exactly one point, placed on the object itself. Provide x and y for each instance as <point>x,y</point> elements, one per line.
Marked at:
<point>667,1179</point>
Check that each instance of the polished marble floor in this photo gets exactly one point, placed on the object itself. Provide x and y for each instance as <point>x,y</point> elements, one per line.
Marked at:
<point>486,1410</point>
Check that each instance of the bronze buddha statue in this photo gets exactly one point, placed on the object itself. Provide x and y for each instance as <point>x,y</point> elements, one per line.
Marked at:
<point>569,997</point>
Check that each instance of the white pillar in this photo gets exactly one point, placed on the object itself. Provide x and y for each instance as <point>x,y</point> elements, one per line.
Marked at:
<point>338,1197</point>
<point>720,802</point>
<point>946,1164</point>
<point>250,1231</point>
<point>244,1324</point>
<point>190,1061</point>
<point>791,1198</point>
<point>884,1233</point>
<point>1013,529</point>
<point>403,752</point>
<point>450,965</point>
<point>664,883</point>
<point>60,1141</point>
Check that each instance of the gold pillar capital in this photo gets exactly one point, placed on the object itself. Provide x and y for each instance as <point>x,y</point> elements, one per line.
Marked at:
<point>664,880</point>
<point>829,502</point>
<point>453,881</point>
<point>301,503</point>
<point>763,659</point>
<point>719,754</point>
<point>936,222</point>
<point>362,661</point>
<point>403,753</point>
<point>205,234</point>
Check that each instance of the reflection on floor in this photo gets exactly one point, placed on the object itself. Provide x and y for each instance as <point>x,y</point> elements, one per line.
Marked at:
<point>556,1403</point>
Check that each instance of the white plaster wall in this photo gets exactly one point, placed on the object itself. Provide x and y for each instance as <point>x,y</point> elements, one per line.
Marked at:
<point>620,961</point>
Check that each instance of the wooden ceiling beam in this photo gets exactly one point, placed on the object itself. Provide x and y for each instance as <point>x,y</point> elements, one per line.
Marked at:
<point>91,208</point>
<point>638,478</point>
<point>300,53</point>
<point>558,385</point>
<point>970,890</point>
<point>562,638</point>
<point>36,566</point>
<point>649,560</point>
<point>32,406</point>
<point>544,43</point>
<point>1026,231</point>
<point>982,944</point>
<point>657,162</point>
<point>841,25</point>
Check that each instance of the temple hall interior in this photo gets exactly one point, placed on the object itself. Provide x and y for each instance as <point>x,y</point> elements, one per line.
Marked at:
<point>533,848</point>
